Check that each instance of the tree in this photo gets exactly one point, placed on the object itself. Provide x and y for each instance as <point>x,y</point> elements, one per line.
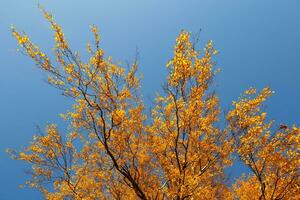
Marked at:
<point>112,152</point>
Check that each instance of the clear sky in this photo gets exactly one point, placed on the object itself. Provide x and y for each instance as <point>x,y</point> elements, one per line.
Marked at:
<point>259,43</point>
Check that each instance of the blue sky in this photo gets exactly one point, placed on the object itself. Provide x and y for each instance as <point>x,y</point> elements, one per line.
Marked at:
<point>259,44</point>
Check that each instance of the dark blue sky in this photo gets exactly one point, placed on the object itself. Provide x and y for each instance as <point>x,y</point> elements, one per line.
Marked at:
<point>259,44</point>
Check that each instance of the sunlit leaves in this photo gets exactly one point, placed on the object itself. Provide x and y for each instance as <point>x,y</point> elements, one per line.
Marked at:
<point>110,150</point>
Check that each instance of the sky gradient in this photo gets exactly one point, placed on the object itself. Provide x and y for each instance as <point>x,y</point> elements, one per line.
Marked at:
<point>259,44</point>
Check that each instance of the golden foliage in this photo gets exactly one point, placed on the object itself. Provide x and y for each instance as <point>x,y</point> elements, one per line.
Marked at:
<point>111,152</point>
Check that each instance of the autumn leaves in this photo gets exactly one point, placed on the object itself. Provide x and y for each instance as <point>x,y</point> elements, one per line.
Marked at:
<point>110,152</point>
